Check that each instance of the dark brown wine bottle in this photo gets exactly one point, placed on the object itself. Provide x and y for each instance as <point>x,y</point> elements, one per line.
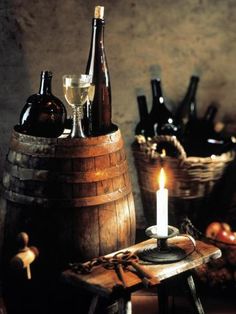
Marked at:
<point>143,124</point>
<point>98,69</point>
<point>43,114</point>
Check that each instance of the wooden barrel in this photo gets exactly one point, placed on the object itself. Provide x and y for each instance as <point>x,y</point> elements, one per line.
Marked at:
<point>72,196</point>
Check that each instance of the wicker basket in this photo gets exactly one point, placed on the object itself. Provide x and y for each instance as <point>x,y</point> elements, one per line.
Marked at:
<point>187,177</point>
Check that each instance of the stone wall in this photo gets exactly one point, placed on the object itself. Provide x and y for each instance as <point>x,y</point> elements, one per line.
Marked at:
<point>144,39</point>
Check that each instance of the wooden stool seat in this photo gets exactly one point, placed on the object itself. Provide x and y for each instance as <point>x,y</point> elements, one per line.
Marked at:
<point>105,282</point>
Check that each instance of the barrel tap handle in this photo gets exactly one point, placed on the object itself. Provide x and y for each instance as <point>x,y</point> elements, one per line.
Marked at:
<point>26,254</point>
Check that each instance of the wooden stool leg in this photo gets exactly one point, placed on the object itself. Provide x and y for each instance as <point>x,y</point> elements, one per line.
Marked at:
<point>93,304</point>
<point>193,294</point>
<point>121,305</point>
<point>162,298</point>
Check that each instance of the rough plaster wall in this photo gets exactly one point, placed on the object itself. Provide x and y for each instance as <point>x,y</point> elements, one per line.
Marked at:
<point>171,38</point>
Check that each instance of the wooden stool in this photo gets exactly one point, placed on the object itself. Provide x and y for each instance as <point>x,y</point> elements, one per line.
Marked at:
<point>105,283</point>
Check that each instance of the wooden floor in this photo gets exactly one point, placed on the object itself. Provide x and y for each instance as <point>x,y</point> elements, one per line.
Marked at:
<point>146,302</point>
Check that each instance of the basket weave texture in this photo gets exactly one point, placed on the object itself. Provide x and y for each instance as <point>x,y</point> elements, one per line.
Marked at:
<point>187,177</point>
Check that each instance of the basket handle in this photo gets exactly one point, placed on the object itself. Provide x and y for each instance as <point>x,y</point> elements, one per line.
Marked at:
<point>172,140</point>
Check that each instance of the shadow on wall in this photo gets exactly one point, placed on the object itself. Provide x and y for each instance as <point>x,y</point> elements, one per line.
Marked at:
<point>13,72</point>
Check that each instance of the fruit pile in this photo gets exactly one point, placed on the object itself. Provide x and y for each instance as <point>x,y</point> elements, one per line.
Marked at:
<point>220,273</point>
<point>221,231</point>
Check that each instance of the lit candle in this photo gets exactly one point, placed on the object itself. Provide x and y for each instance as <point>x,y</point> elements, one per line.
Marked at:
<point>162,207</point>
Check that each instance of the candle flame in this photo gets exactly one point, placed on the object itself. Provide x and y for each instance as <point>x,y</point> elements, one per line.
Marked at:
<point>162,179</point>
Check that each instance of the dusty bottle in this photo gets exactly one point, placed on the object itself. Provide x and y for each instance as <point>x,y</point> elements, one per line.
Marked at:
<point>43,114</point>
<point>100,119</point>
<point>143,125</point>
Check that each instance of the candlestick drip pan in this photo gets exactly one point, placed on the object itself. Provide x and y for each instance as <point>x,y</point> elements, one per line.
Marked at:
<point>162,253</point>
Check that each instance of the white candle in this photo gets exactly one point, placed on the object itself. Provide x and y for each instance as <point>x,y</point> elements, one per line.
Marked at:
<point>162,207</point>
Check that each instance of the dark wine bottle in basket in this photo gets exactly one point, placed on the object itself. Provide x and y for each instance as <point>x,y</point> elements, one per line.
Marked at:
<point>142,128</point>
<point>192,136</point>
<point>186,113</point>
<point>202,140</point>
<point>97,67</point>
<point>43,114</point>
<point>161,119</point>
<point>187,108</point>
<point>210,114</point>
<point>208,121</point>
<point>216,142</point>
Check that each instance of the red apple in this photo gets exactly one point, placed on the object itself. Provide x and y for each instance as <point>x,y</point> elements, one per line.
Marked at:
<point>225,226</point>
<point>226,237</point>
<point>213,229</point>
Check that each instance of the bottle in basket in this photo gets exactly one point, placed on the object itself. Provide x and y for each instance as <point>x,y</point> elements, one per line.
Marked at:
<point>43,114</point>
<point>216,143</point>
<point>207,122</point>
<point>142,127</point>
<point>161,119</point>
<point>187,109</point>
<point>100,119</point>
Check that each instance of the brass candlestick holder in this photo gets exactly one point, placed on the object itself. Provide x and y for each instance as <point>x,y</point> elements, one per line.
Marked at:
<point>163,252</point>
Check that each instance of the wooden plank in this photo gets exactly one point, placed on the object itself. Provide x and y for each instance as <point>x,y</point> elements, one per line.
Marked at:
<point>86,232</point>
<point>104,187</point>
<point>119,183</point>
<point>84,164</point>
<point>123,222</point>
<point>101,164</point>
<point>113,159</point>
<point>107,228</point>
<point>132,218</point>
<point>81,190</point>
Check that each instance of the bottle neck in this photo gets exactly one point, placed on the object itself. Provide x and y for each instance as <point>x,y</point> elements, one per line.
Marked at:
<point>45,83</point>
<point>192,89</point>
<point>210,113</point>
<point>156,89</point>
<point>158,100</point>
<point>97,43</point>
<point>142,106</point>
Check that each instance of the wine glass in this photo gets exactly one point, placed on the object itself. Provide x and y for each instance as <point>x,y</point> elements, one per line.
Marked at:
<point>76,91</point>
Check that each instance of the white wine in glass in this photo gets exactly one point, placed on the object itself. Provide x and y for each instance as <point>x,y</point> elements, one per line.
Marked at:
<point>77,90</point>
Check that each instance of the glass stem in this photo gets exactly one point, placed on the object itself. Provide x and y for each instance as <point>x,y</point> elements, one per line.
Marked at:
<point>77,130</point>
